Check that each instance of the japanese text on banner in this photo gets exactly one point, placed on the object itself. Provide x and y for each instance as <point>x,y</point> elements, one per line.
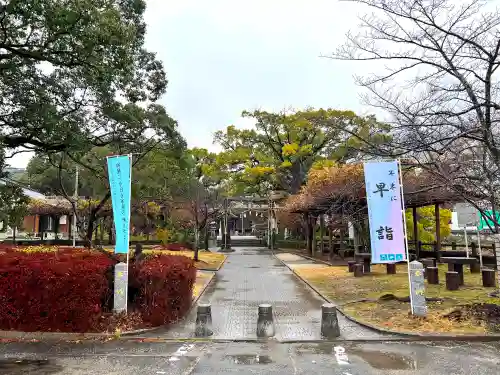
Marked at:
<point>119,172</point>
<point>383,195</point>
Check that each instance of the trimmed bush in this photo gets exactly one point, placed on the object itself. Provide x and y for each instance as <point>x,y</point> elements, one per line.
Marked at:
<point>70,290</point>
<point>52,291</point>
<point>161,288</point>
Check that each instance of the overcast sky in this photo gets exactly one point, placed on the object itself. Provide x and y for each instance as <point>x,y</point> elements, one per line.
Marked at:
<point>223,57</point>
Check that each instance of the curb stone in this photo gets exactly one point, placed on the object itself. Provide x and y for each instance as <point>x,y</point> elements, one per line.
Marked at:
<point>414,335</point>
<point>40,336</point>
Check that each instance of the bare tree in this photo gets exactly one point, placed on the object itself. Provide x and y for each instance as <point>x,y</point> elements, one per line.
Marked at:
<point>439,61</point>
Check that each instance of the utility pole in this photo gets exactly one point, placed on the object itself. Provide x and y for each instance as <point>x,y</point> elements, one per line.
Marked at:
<point>272,225</point>
<point>225,223</point>
<point>75,197</point>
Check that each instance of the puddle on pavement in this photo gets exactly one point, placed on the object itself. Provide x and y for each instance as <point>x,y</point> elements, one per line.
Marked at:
<point>383,360</point>
<point>22,366</point>
<point>249,359</point>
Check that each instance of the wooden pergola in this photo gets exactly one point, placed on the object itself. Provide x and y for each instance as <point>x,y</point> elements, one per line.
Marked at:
<point>339,192</point>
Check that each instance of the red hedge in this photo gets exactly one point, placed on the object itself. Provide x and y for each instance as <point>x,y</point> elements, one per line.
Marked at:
<point>163,288</point>
<point>70,291</point>
<point>51,291</point>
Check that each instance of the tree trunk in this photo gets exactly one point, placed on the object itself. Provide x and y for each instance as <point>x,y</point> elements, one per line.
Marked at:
<point>14,235</point>
<point>321,233</point>
<point>90,230</point>
<point>96,231</point>
<point>207,238</point>
<point>196,242</point>
<point>110,232</point>
<point>101,232</point>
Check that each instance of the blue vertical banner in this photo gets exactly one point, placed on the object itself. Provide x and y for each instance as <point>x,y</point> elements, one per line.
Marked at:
<point>385,212</point>
<point>120,179</point>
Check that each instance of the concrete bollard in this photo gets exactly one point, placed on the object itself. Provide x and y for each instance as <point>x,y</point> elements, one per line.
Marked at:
<point>452,280</point>
<point>265,322</point>
<point>391,268</point>
<point>203,320</point>
<point>350,265</point>
<point>488,278</point>
<point>432,275</point>
<point>329,323</point>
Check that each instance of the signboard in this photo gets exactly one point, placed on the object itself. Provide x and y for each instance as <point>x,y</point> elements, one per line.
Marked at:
<point>486,220</point>
<point>119,172</point>
<point>383,195</point>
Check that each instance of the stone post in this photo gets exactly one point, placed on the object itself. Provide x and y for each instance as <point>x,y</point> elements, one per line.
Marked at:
<point>121,287</point>
<point>203,320</point>
<point>417,289</point>
<point>329,323</point>
<point>265,323</point>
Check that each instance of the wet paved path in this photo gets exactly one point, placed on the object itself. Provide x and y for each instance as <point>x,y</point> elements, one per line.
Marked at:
<point>251,277</point>
<point>268,358</point>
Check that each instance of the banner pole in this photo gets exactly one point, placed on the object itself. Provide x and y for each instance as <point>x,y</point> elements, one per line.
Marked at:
<point>128,244</point>
<point>404,231</point>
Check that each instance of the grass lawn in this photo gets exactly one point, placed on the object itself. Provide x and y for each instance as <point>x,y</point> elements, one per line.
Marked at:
<point>208,261</point>
<point>342,287</point>
<point>202,279</point>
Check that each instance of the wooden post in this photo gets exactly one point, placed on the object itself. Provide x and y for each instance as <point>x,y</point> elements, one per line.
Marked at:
<point>341,235</point>
<point>438,233</point>
<point>314,242</point>
<point>494,249</point>
<point>321,232</point>
<point>330,240</point>
<point>452,280</point>
<point>474,252</point>
<point>415,231</point>
<point>432,275</point>
<point>358,270</point>
<point>308,233</point>
<point>350,265</point>
<point>488,278</point>
<point>391,268</point>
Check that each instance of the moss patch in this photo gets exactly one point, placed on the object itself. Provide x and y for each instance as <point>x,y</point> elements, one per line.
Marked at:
<point>202,279</point>
<point>208,261</point>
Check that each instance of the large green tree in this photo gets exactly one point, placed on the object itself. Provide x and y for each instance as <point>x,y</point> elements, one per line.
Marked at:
<point>13,201</point>
<point>278,152</point>
<point>68,70</point>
